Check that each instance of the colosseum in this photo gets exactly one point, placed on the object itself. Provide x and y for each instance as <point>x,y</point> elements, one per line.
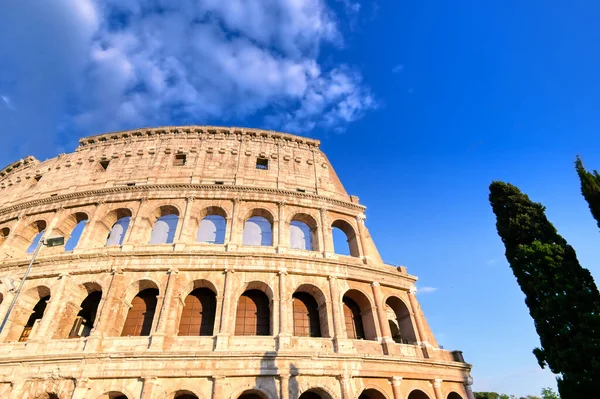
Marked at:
<point>198,262</point>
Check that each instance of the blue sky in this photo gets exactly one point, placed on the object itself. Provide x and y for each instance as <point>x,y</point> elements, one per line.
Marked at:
<point>419,106</point>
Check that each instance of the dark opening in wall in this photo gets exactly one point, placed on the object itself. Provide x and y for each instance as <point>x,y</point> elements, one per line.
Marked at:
<point>104,164</point>
<point>262,163</point>
<point>37,178</point>
<point>220,182</point>
<point>180,160</point>
<point>131,184</point>
<point>300,190</point>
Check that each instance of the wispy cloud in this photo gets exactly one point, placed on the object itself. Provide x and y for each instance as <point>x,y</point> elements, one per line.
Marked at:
<point>398,68</point>
<point>426,290</point>
<point>116,64</point>
<point>7,102</point>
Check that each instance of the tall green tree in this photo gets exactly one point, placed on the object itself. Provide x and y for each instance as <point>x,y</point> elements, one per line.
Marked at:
<point>562,298</point>
<point>548,393</point>
<point>590,188</point>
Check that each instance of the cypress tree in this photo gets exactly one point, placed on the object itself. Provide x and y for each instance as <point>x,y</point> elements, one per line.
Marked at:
<point>590,188</point>
<point>562,298</point>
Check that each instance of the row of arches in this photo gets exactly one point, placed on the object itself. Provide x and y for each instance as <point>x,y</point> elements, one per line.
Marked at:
<point>211,228</point>
<point>196,313</point>
<point>312,393</point>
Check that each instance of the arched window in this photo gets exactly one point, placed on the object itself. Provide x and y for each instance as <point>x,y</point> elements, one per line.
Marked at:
<point>344,238</point>
<point>353,319</point>
<point>358,316</point>
<point>399,321</point>
<point>117,231</point>
<point>48,395</point>
<point>198,316</point>
<point>38,313</point>
<point>164,230</point>
<point>141,314</point>
<point>84,322</point>
<point>4,232</point>
<point>300,236</point>
<point>417,394</point>
<point>306,315</point>
<point>211,230</point>
<point>310,395</point>
<point>454,395</point>
<point>252,395</point>
<point>258,232</point>
<point>184,395</point>
<point>371,394</point>
<point>113,395</point>
<point>35,232</point>
<point>76,232</point>
<point>253,316</point>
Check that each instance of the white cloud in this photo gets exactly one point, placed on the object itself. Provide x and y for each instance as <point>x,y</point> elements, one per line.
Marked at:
<point>426,290</point>
<point>118,64</point>
<point>398,68</point>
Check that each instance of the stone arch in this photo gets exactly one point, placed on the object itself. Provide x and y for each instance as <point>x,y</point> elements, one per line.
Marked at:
<point>303,230</point>
<point>321,300</point>
<point>114,395</point>
<point>454,395</point>
<point>315,393</point>
<point>25,310</point>
<point>211,225</point>
<point>400,321</point>
<point>79,316</point>
<point>351,238</point>
<point>71,228</point>
<point>184,394</point>
<point>4,232</point>
<point>372,393</point>
<point>48,395</point>
<point>358,314</point>
<point>24,241</point>
<point>417,394</point>
<point>164,221</point>
<point>112,228</point>
<point>199,310</point>
<point>142,299</point>
<point>258,228</point>
<point>254,308</point>
<point>254,393</point>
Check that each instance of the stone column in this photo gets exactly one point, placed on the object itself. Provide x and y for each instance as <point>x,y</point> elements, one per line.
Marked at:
<point>417,315</point>
<point>88,231</point>
<point>235,239</point>
<point>217,391</point>
<point>327,240</point>
<point>437,388</point>
<point>158,336</point>
<point>285,386</point>
<point>81,388</point>
<point>337,314</point>
<point>130,237</point>
<point>468,383</point>
<point>360,222</point>
<point>225,329</point>
<point>284,327</point>
<point>53,311</point>
<point>282,242</point>
<point>345,387</point>
<point>396,382</point>
<point>149,384</point>
<point>184,223</point>
<point>17,391</point>
<point>387,341</point>
<point>110,303</point>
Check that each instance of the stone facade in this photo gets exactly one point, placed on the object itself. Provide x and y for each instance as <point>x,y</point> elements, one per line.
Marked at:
<point>190,173</point>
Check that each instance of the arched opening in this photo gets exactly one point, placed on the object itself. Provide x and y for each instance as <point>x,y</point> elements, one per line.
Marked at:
<point>252,394</point>
<point>47,395</point>
<point>72,229</point>
<point>4,232</point>
<point>184,395</point>
<point>344,238</point>
<point>253,315</point>
<point>37,314</point>
<point>306,315</point>
<point>119,227</point>
<point>399,321</point>
<point>454,395</point>
<point>358,316</point>
<point>211,229</point>
<point>84,321</point>
<point>113,395</point>
<point>141,314</point>
<point>371,394</point>
<point>417,394</point>
<point>303,232</point>
<point>315,393</point>
<point>198,315</point>
<point>258,229</point>
<point>165,225</point>
<point>32,234</point>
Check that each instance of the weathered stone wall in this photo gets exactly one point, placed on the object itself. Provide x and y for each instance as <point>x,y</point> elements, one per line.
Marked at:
<point>298,184</point>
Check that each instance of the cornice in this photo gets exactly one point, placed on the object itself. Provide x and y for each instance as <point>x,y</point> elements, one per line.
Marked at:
<point>166,187</point>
